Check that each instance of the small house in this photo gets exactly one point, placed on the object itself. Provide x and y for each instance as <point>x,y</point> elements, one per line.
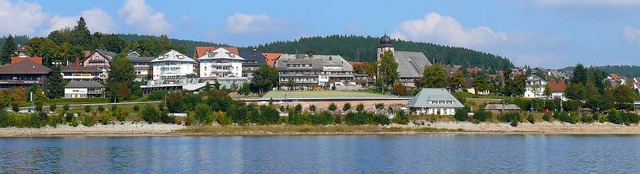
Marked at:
<point>437,101</point>
<point>83,89</point>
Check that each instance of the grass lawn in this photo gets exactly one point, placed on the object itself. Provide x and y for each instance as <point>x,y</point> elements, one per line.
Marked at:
<point>322,94</point>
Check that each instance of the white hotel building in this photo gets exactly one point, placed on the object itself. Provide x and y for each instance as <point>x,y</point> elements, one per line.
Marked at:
<point>220,63</point>
<point>172,65</point>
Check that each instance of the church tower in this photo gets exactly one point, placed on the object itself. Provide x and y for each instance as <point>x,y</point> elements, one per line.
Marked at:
<point>385,44</point>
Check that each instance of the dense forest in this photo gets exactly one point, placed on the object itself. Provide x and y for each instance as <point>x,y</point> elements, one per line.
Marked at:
<point>623,70</point>
<point>360,48</point>
<point>188,45</point>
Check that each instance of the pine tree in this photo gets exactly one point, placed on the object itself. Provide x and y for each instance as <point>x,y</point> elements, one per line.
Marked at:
<point>81,34</point>
<point>8,50</point>
<point>56,84</point>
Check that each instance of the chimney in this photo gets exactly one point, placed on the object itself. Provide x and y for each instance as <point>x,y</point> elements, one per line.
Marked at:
<point>77,62</point>
<point>254,51</point>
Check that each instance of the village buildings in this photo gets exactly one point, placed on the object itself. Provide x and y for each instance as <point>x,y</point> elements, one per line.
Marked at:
<point>436,101</point>
<point>172,65</point>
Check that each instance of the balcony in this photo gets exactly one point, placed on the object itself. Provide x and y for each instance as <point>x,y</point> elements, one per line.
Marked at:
<point>19,82</point>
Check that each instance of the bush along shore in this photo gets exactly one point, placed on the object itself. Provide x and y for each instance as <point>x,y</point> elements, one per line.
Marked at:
<point>213,111</point>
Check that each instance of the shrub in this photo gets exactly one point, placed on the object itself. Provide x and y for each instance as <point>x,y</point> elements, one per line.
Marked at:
<point>87,109</point>
<point>595,116</point>
<point>298,108</point>
<point>150,114</point>
<point>4,119</point>
<point>114,108</point>
<point>201,112</point>
<point>380,106</point>
<point>88,121</point>
<point>510,117</point>
<point>104,118</point>
<point>68,117</point>
<point>38,107</point>
<point>15,107</point>
<point>547,116</point>
<point>165,118</point>
<point>586,119</point>
<point>157,95</point>
<point>346,107</point>
<point>481,115</point>
<point>74,122</point>
<point>136,108</point>
<point>65,107</point>
<point>531,119</point>
<point>333,107</point>
<point>461,114</point>
<point>360,107</point>
<point>101,108</point>
<point>121,115</point>
<point>312,108</point>
<point>52,107</point>
<point>401,118</point>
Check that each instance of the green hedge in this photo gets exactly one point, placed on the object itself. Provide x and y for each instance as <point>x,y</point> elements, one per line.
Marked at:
<point>79,100</point>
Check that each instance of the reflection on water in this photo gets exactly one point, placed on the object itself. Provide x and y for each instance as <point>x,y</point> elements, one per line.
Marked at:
<point>323,154</point>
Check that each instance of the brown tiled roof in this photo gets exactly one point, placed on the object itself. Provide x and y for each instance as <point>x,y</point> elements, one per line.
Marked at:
<point>25,67</point>
<point>73,68</point>
<point>557,86</point>
<point>271,58</point>
<point>201,50</point>
<point>615,76</point>
<point>15,60</point>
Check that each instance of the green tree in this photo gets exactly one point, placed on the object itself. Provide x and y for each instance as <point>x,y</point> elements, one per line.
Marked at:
<point>7,50</point>
<point>81,34</point>
<point>264,79</point>
<point>398,88</point>
<point>312,108</point>
<point>456,81</point>
<point>120,78</point>
<point>388,73</point>
<point>547,91</point>
<point>461,114</point>
<point>202,111</point>
<point>433,76</point>
<point>360,107</point>
<point>150,114</point>
<point>623,96</point>
<point>576,91</point>
<point>55,89</point>
<point>480,83</point>
<point>52,107</point>
<point>579,75</point>
<point>515,86</point>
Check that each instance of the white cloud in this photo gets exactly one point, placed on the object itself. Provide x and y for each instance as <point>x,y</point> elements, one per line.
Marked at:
<point>20,17</point>
<point>631,34</point>
<point>139,15</point>
<point>447,30</point>
<point>557,3</point>
<point>245,23</point>
<point>97,21</point>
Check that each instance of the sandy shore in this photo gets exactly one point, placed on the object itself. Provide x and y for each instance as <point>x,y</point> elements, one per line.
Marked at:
<point>144,129</point>
<point>125,129</point>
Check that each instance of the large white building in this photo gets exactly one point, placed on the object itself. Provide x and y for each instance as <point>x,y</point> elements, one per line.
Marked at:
<point>434,101</point>
<point>172,65</point>
<point>535,87</point>
<point>220,63</point>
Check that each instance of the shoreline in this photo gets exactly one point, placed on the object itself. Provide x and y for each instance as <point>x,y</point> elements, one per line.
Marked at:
<point>462,128</point>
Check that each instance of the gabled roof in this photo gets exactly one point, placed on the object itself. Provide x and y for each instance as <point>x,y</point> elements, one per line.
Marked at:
<point>220,53</point>
<point>106,54</point>
<point>173,56</point>
<point>271,57</point>
<point>251,55</point>
<point>25,67</point>
<point>557,86</point>
<point>615,77</point>
<point>84,84</point>
<point>135,57</point>
<point>15,60</point>
<point>202,50</point>
<point>421,100</point>
<point>411,64</point>
<point>73,68</point>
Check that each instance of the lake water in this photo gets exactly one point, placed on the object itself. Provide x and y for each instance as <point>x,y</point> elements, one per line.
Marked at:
<point>324,154</point>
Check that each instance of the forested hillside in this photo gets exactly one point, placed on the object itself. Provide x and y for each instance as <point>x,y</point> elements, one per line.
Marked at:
<point>624,70</point>
<point>188,45</point>
<point>360,48</point>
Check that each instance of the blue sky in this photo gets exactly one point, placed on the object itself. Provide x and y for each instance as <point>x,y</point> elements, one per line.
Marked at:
<point>547,33</point>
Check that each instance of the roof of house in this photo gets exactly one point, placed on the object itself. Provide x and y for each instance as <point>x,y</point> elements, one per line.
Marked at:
<point>411,64</point>
<point>74,68</point>
<point>106,54</point>
<point>557,86</point>
<point>318,62</point>
<point>421,100</point>
<point>253,55</point>
<point>615,76</point>
<point>499,107</point>
<point>25,67</point>
<point>84,84</point>
<point>221,53</point>
<point>202,50</point>
<point>135,57</point>
<point>15,60</point>
<point>172,56</point>
<point>271,57</point>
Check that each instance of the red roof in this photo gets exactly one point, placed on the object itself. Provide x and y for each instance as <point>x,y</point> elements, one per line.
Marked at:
<point>271,58</point>
<point>473,70</point>
<point>637,84</point>
<point>557,86</point>
<point>615,77</point>
<point>15,60</point>
<point>25,67</point>
<point>201,50</point>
